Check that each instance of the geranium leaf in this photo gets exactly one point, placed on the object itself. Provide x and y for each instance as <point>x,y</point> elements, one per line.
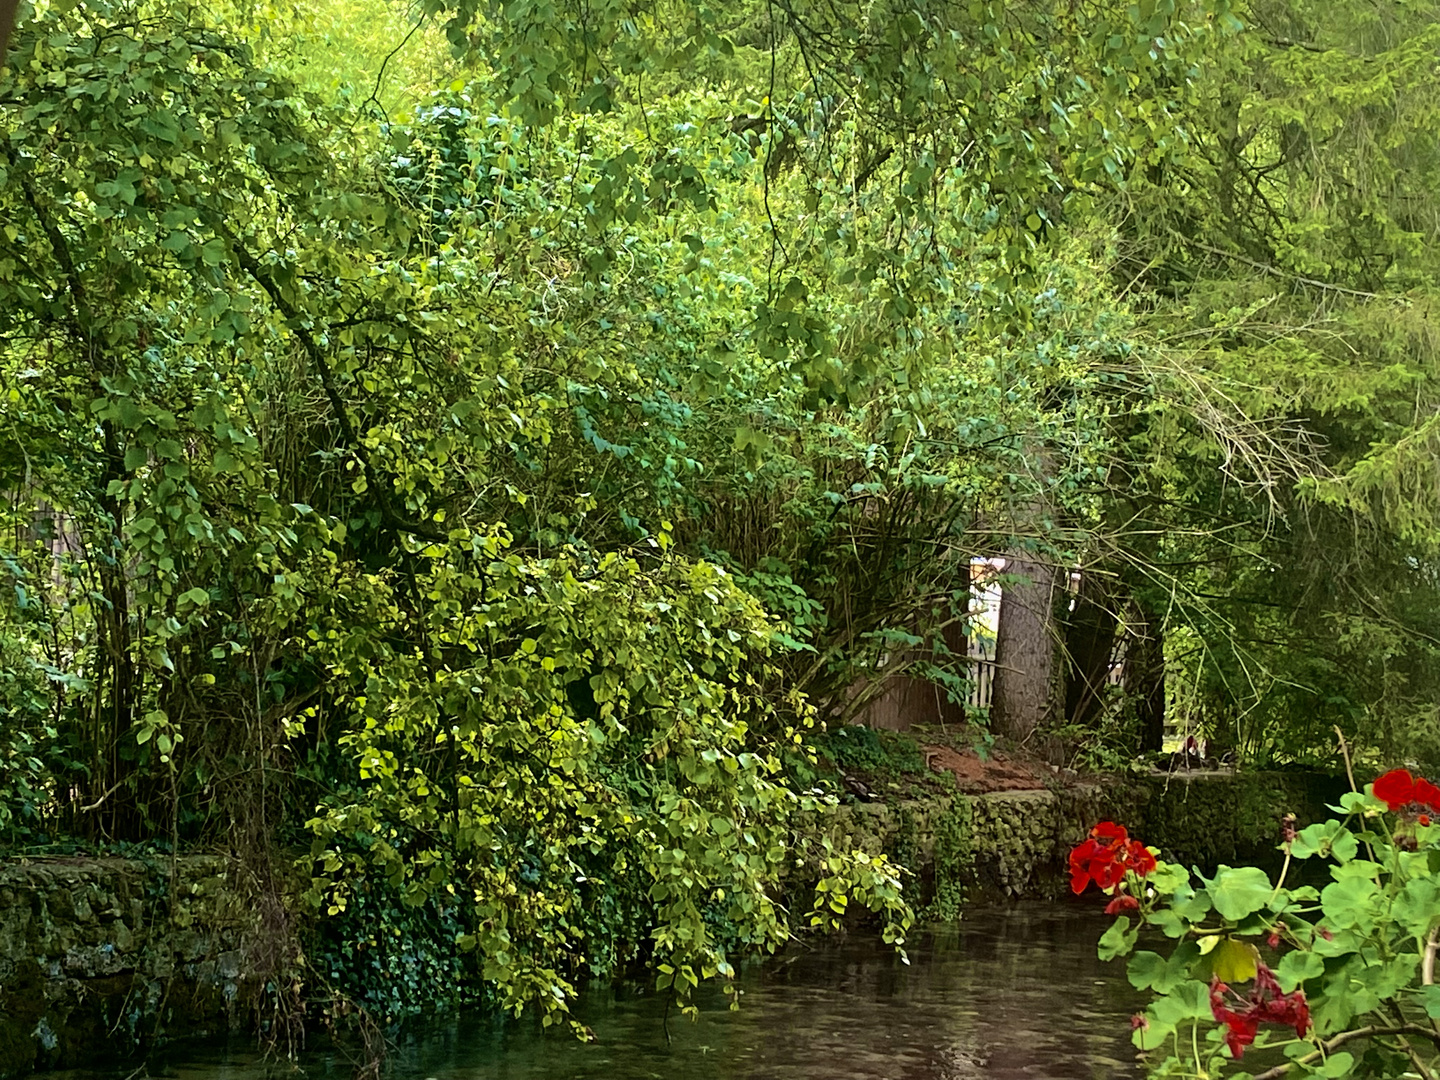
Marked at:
<point>1295,967</point>
<point>1118,940</point>
<point>1234,961</point>
<point>1240,891</point>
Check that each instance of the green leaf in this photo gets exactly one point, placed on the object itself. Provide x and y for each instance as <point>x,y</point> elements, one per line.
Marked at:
<point>1148,970</point>
<point>1297,966</point>
<point>1326,838</point>
<point>1191,905</point>
<point>1153,1035</point>
<point>1430,1000</point>
<point>1352,902</point>
<point>1418,906</point>
<point>1118,940</point>
<point>1337,1066</point>
<point>1145,969</point>
<point>1189,1000</point>
<point>1240,891</point>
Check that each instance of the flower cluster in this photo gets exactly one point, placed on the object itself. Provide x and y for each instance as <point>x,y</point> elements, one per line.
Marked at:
<point>1266,1005</point>
<point>1398,790</point>
<point>1104,857</point>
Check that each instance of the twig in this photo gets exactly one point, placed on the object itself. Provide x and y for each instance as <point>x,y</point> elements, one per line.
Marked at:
<point>1340,1040</point>
<point>297,325</point>
<point>380,75</point>
<point>96,804</point>
<point>1266,268</point>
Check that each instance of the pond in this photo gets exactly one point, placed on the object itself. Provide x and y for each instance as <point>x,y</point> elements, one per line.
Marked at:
<point>1009,993</point>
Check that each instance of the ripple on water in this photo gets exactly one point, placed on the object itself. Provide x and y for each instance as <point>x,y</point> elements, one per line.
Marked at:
<point>1009,994</point>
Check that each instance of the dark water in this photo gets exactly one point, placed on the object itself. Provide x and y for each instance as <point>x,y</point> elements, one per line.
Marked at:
<point>1007,994</point>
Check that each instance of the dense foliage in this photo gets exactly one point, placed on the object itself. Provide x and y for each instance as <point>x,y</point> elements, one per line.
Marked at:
<point>490,462</point>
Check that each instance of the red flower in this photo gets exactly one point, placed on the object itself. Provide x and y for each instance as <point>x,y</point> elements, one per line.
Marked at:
<point>1426,794</point>
<point>1239,1032</point>
<point>1106,856</point>
<point>1139,858</point>
<point>1122,904</point>
<point>1396,788</point>
<point>1139,1022</point>
<point>1274,939</point>
<point>1266,1005</point>
<point>1081,859</point>
<point>1110,832</point>
<point>1424,819</point>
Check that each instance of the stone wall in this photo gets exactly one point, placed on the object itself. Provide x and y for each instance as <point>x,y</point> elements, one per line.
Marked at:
<point>1016,843</point>
<point>102,955</point>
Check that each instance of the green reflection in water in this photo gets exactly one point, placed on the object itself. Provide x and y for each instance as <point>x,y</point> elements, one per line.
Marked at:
<point>1007,994</point>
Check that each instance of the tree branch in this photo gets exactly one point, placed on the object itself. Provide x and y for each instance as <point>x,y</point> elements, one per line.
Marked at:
<point>7,22</point>
<point>296,322</point>
<point>1275,270</point>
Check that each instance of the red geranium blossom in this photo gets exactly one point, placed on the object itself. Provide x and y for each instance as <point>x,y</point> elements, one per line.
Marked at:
<point>1105,856</point>
<point>1426,794</point>
<point>1398,790</point>
<point>1266,1005</point>
<point>1122,904</point>
<point>1395,788</point>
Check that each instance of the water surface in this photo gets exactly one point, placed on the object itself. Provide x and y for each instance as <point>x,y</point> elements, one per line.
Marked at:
<point>1006,994</point>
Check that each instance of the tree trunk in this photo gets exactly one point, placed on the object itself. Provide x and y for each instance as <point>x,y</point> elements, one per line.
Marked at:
<point>1024,651</point>
<point>1145,682</point>
<point>1089,647</point>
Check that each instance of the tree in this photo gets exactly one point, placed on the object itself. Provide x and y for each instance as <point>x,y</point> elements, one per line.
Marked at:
<point>1025,651</point>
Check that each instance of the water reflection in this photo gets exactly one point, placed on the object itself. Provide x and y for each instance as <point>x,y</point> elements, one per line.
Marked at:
<point>1008,994</point>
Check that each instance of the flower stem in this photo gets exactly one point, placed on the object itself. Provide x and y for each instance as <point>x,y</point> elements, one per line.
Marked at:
<point>1345,753</point>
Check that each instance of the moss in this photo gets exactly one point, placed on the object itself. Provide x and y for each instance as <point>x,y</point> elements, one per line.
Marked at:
<point>95,960</point>
<point>1204,820</point>
<point>885,754</point>
<point>954,860</point>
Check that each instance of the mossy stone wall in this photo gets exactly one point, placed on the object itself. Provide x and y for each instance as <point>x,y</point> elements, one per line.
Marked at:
<point>101,956</point>
<point>1013,844</point>
<point>98,956</point>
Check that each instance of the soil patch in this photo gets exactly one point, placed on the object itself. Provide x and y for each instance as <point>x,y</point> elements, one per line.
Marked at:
<point>975,776</point>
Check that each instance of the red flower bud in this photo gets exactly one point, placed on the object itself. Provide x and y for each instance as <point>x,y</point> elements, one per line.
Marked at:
<point>1122,904</point>
<point>1287,828</point>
